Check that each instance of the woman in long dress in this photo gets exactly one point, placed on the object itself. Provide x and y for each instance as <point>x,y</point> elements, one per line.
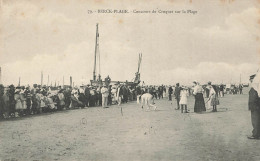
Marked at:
<point>199,100</point>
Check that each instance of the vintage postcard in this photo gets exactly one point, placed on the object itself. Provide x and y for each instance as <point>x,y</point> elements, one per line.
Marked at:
<point>129,80</point>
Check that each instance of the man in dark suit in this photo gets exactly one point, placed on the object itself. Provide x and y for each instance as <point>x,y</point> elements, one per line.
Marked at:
<point>87,95</point>
<point>254,107</point>
<point>170,93</point>
<point>125,94</point>
<point>177,94</point>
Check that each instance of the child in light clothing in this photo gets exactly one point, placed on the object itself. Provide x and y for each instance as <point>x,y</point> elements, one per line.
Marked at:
<point>183,99</point>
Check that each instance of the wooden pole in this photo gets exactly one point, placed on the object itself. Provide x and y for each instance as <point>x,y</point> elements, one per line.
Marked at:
<point>48,81</point>
<point>240,79</point>
<point>95,58</point>
<point>19,83</point>
<point>63,81</point>
<point>71,81</point>
<point>41,78</point>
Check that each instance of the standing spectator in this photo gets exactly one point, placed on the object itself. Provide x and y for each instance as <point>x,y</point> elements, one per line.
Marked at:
<point>1,101</point>
<point>18,102</point>
<point>34,99</point>
<point>110,95</point>
<point>11,100</point>
<point>240,88</point>
<point>160,92</point>
<point>170,93</point>
<point>125,94</point>
<point>6,103</point>
<point>213,98</point>
<point>87,95</point>
<point>99,98</point>
<point>119,94</point>
<point>221,89</point>
<point>254,107</point>
<point>92,98</point>
<point>211,92</point>
<point>207,88</point>
<point>138,93</point>
<point>199,100</point>
<point>104,92</point>
<point>164,91</point>
<point>28,97</point>
<point>183,99</point>
<point>154,92</point>
<point>82,97</point>
<point>67,97</point>
<point>177,92</point>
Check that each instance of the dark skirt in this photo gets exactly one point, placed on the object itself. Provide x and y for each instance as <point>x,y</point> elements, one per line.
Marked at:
<point>199,103</point>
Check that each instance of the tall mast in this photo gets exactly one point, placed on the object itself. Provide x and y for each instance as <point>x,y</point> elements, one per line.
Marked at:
<point>240,79</point>
<point>19,83</point>
<point>137,74</point>
<point>48,81</point>
<point>139,62</point>
<point>71,81</point>
<point>41,78</point>
<point>96,47</point>
<point>63,82</point>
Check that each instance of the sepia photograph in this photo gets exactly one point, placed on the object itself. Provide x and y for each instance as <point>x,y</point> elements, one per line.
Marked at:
<point>129,80</point>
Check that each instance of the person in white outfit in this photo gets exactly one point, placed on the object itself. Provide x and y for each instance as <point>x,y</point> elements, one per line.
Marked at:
<point>184,99</point>
<point>104,92</point>
<point>211,93</point>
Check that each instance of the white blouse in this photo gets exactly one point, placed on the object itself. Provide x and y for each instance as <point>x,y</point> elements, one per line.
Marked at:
<point>197,89</point>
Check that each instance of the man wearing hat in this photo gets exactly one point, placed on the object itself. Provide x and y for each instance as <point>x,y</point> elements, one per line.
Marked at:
<point>87,95</point>
<point>92,97</point>
<point>177,93</point>
<point>254,107</point>
<point>170,93</point>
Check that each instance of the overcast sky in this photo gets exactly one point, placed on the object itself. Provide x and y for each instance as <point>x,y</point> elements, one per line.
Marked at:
<point>218,43</point>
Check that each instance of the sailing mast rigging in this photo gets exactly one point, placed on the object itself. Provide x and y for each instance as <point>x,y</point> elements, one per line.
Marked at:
<point>98,81</point>
<point>137,74</point>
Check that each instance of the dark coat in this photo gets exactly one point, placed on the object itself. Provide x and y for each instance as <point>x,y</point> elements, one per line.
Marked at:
<point>87,92</point>
<point>170,90</point>
<point>138,90</point>
<point>253,101</point>
<point>177,92</point>
<point>125,90</point>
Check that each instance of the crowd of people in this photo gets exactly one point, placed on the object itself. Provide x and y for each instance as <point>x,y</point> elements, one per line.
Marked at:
<point>20,101</point>
<point>209,91</point>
